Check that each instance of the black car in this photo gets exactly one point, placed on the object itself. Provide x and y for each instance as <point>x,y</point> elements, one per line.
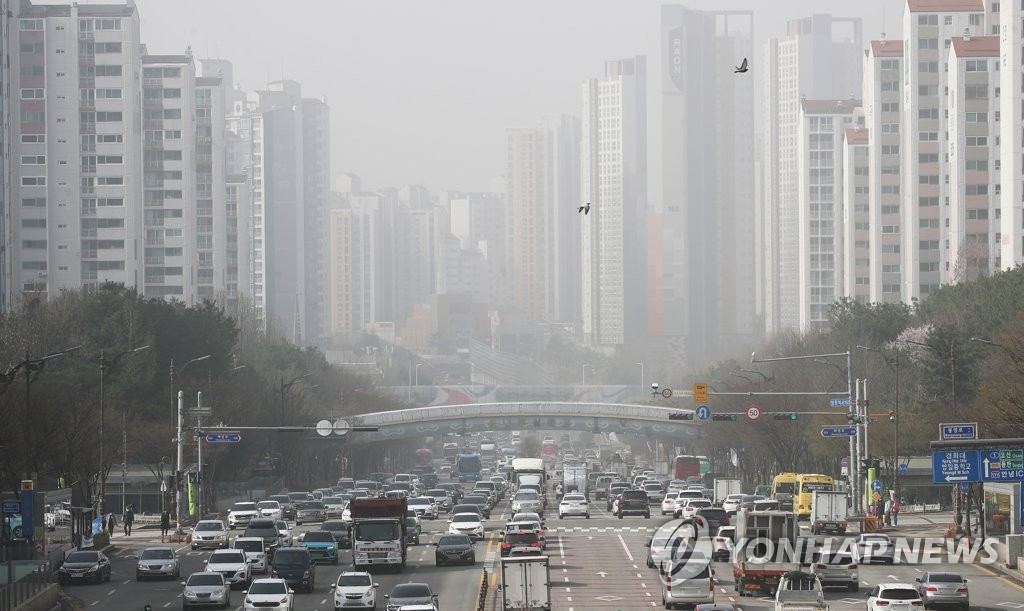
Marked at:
<point>712,518</point>
<point>407,594</point>
<point>521,543</point>
<point>287,505</point>
<point>633,502</point>
<point>340,530</point>
<point>480,501</point>
<point>80,567</point>
<point>266,529</point>
<point>455,489</point>
<point>412,531</point>
<point>295,566</point>
<point>455,548</point>
<point>614,491</point>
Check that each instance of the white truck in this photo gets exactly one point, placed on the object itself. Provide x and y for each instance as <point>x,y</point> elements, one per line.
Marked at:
<point>725,487</point>
<point>525,584</point>
<point>829,510</point>
<point>800,591</point>
<point>574,477</point>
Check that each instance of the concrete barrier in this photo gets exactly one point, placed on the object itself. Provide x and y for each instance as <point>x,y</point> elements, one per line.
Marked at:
<point>44,600</point>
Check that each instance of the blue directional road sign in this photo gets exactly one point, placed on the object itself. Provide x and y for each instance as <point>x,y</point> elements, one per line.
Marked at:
<point>950,466</point>
<point>12,507</point>
<point>1003,465</point>
<point>876,485</point>
<point>839,402</point>
<point>223,438</point>
<point>960,430</point>
<point>703,412</point>
<point>903,468</point>
<point>838,431</point>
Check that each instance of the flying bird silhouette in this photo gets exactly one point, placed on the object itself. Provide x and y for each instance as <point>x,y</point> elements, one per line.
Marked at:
<point>742,67</point>
<point>585,208</point>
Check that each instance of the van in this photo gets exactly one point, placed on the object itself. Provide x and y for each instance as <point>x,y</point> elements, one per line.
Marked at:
<point>689,580</point>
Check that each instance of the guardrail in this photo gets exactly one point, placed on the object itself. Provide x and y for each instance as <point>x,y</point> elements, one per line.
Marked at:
<point>482,601</point>
<point>26,579</point>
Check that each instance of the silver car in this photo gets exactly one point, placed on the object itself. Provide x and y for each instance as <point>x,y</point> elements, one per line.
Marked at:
<point>210,533</point>
<point>836,569</point>
<point>943,589</point>
<point>205,589</point>
<point>157,562</point>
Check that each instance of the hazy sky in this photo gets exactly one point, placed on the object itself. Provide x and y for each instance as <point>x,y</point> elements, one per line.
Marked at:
<point>421,90</point>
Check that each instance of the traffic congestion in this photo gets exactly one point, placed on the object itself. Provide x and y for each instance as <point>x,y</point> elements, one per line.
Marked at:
<point>523,530</point>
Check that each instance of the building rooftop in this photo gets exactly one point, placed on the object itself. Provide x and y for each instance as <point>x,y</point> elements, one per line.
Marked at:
<point>945,6</point>
<point>856,135</point>
<point>887,48</point>
<point>976,46</point>
<point>844,107</point>
<point>27,9</point>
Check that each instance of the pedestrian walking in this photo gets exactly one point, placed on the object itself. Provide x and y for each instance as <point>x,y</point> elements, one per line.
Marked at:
<point>111,522</point>
<point>880,512</point>
<point>165,523</point>
<point>888,511</point>
<point>129,519</point>
<point>895,512</point>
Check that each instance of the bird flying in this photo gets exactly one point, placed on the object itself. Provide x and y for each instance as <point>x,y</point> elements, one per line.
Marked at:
<point>742,67</point>
<point>585,208</point>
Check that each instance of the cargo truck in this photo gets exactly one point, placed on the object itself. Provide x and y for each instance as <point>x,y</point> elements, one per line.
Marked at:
<point>799,591</point>
<point>828,512</point>
<point>725,487</point>
<point>525,583</point>
<point>529,471</point>
<point>574,477</point>
<point>378,533</point>
<point>767,546</point>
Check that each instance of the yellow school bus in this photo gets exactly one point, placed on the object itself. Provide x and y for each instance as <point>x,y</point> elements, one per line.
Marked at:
<point>785,483</point>
<point>806,484</point>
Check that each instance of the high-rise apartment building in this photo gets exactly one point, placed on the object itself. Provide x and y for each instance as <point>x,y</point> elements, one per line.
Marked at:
<point>821,134</point>
<point>883,93</point>
<point>702,292</point>
<point>613,179</point>
<point>316,181</point>
<point>414,246</point>
<point>974,157</point>
<point>856,217</point>
<point>212,215</point>
<point>928,29</point>
<point>359,277</point>
<point>563,189</point>
<point>77,175</point>
<point>5,152</point>
<point>818,59</point>
<point>1011,135</point>
<point>173,264</point>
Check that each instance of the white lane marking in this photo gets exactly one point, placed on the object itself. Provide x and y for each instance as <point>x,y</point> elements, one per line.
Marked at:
<point>643,585</point>
<point>110,593</point>
<point>648,594</point>
<point>126,582</point>
<point>167,605</point>
<point>568,589</point>
<point>94,603</point>
<point>623,542</point>
<point>635,566</point>
<point>561,549</point>
<point>568,598</point>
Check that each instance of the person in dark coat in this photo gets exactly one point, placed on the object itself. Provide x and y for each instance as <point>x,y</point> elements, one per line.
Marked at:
<point>111,522</point>
<point>129,519</point>
<point>165,523</point>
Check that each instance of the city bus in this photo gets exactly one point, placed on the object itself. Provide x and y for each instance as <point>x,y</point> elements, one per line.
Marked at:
<point>424,457</point>
<point>806,484</point>
<point>784,483</point>
<point>686,468</point>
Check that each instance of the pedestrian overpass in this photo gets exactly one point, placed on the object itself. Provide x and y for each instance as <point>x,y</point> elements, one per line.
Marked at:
<point>643,420</point>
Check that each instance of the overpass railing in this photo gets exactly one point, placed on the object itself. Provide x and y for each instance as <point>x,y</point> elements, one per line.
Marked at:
<point>513,410</point>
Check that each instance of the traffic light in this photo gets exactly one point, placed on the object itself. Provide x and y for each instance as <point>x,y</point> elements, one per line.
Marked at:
<point>681,416</point>
<point>725,417</point>
<point>789,416</point>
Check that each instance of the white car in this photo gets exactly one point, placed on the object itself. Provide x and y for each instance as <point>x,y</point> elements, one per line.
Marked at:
<point>466,524</point>
<point>355,590</point>
<point>894,597</point>
<point>284,532</point>
<point>210,534</point>
<point>527,516</point>
<point>255,552</point>
<point>231,563</point>
<point>335,506</point>
<point>722,544</point>
<point>526,500</point>
<point>874,547</point>
<point>424,507</point>
<point>731,504</point>
<point>269,594</point>
<point>241,513</point>
<point>270,509</point>
<point>668,504</point>
<point>574,505</point>
<point>690,509</point>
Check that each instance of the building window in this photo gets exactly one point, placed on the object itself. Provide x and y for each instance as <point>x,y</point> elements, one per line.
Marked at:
<point>109,181</point>
<point>890,229</point>
<point>32,94</point>
<point>33,181</point>
<point>27,25</point>
<point>893,268</point>
<point>928,136</point>
<point>927,202</point>
<point>108,117</point>
<point>33,160</point>
<point>927,90</point>
<point>977,141</point>
<point>108,24</point>
<point>976,190</point>
<point>928,66</point>
<point>976,65</point>
<point>976,92</point>
<point>927,20</point>
<point>925,179</point>
<point>927,43</point>
<point>977,166</point>
<point>979,214</point>
<point>928,113</point>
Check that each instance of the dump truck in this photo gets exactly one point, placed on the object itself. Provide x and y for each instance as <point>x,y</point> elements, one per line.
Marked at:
<point>378,533</point>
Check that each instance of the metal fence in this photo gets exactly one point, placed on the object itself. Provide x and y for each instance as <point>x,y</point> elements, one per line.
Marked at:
<point>23,579</point>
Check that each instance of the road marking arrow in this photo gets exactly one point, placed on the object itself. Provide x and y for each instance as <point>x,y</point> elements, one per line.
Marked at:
<point>602,574</point>
<point>986,463</point>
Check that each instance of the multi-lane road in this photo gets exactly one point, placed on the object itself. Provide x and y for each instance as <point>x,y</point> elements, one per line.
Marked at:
<point>595,564</point>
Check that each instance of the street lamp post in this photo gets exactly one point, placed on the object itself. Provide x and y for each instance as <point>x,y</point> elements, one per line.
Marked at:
<point>179,498</point>
<point>585,365</point>
<point>641,376</point>
<point>895,414</point>
<point>417,374</point>
<point>104,365</point>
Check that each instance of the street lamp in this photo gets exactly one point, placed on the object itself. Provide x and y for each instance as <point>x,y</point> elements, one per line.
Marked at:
<point>641,376</point>
<point>895,415</point>
<point>104,365</point>
<point>585,365</point>
<point>417,373</point>
<point>179,499</point>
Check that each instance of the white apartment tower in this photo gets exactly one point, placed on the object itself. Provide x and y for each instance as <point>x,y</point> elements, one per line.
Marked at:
<point>1011,134</point>
<point>613,179</point>
<point>212,215</point>
<point>856,216</point>
<point>357,278</point>
<point>928,29</point>
<point>818,59</point>
<point>316,182</point>
<point>76,171</point>
<point>883,92</point>
<point>974,157</point>
<point>173,264</point>
<point>822,129</point>
<point>703,260</point>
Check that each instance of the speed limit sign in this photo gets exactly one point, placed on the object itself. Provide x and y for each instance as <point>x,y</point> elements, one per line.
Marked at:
<point>753,412</point>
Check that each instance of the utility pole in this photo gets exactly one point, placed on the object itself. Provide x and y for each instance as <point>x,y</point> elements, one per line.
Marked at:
<point>180,439</point>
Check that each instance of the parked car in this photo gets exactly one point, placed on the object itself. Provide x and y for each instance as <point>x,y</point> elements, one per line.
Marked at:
<point>83,566</point>
<point>454,548</point>
<point>942,588</point>
<point>210,534</point>
<point>233,564</point>
<point>157,562</point>
<point>355,590</point>
<point>205,589</point>
<point>296,566</point>
<point>269,594</point>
